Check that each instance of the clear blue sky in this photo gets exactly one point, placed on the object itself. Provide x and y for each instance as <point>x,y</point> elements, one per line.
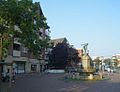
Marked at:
<point>96,22</point>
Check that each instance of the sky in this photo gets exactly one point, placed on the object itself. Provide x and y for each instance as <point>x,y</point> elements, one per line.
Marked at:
<point>96,22</point>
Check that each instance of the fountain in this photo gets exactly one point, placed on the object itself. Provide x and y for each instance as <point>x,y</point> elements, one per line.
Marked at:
<point>87,64</point>
<point>86,67</point>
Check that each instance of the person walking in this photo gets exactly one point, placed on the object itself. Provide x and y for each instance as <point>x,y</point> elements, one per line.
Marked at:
<point>4,76</point>
<point>13,75</point>
<point>8,76</point>
<point>108,71</point>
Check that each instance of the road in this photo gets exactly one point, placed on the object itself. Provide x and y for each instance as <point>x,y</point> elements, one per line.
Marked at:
<point>54,83</point>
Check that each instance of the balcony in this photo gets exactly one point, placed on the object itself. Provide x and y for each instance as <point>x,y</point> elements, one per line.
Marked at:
<point>16,41</point>
<point>16,53</point>
<point>16,50</point>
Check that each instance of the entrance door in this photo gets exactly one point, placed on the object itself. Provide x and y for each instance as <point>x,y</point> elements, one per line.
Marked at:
<point>20,67</point>
<point>33,67</point>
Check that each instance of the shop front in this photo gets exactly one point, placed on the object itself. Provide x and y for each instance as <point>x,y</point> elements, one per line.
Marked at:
<point>19,66</point>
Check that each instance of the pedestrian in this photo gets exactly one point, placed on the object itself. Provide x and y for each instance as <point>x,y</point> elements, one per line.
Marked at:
<point>4,76</point>
<point>8,76</point>
<point>13,75</point>
<point>66,76</point>
<point>108,71</point>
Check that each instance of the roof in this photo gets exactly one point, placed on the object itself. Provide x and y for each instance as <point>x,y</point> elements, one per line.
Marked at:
<point>59,40</point>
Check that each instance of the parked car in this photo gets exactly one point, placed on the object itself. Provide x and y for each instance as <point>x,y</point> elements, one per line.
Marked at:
<point>106,67</point>
<point>113,70</point>
<point>110,70</point>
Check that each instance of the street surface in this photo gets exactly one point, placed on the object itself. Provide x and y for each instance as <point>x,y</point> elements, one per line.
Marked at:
<point>54,83</point>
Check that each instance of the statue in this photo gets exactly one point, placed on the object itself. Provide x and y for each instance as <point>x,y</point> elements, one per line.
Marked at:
<point>85,48</point>
<point>86,59</point>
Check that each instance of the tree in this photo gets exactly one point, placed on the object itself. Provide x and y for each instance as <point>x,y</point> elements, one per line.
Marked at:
<point>59,56</point>
<point>62,56</point>
<point>107,61</point>
<point>23,19</point>
<point>97,62</point>
<point>73,58</point>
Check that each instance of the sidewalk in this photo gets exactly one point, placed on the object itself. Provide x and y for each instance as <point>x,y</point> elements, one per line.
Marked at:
<point>4,87</point>
<point>112,76</point>
<point>35,82</point>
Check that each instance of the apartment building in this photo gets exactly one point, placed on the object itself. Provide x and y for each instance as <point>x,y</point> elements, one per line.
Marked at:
<point>21,59</point>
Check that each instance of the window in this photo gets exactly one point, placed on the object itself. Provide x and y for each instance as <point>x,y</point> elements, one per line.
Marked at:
<point>24,49</point>
<point>40,33</point>
<point>16,47</point>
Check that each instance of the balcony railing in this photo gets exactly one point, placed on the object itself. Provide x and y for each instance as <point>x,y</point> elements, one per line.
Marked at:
<point>16,53</point>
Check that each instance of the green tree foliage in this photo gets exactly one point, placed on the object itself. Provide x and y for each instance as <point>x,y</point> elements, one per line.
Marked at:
<point>23,19</point>
<point>73,57</point>
<point>97,62</point>
<point>62,56</point>
<point>59,55</point>
<point>107,61</point>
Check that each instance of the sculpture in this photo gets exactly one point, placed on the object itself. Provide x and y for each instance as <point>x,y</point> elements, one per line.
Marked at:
<point>86,59</point>
<point>85,48</point>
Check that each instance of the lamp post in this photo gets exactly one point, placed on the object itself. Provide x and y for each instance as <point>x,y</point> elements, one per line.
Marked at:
<point>102,64</point>
<point>1,47</point>
<point>11,68</point>
<point>1,42</point>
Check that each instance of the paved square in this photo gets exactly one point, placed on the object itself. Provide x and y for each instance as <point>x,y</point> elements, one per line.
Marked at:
<point>53,83</point>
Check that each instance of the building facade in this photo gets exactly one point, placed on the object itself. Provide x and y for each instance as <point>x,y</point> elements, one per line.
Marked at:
<point>20,59</point>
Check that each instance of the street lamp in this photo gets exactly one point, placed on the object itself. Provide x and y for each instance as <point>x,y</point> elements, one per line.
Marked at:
<point>1,43</point>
